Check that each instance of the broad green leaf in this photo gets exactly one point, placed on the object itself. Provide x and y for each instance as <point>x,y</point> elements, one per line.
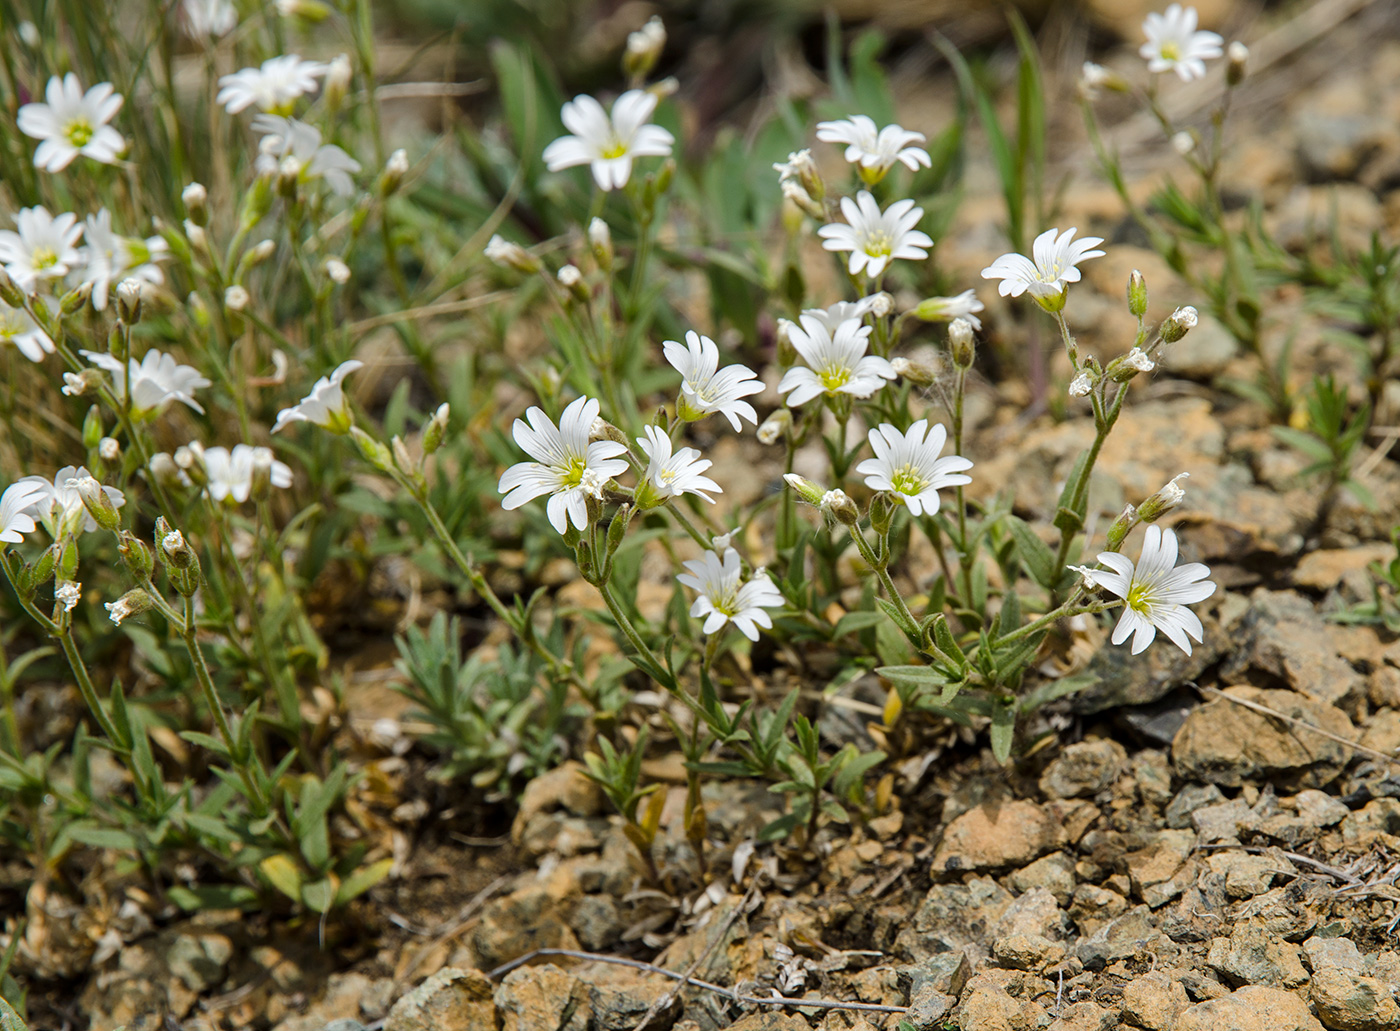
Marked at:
<point>281,871</point>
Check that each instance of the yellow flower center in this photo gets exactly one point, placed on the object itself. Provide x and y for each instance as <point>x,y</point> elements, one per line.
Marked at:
<point>573,476</point>
<point>878,243</point>
<point>43,257</point>
<point>78,132</point>
<point>617,150</point>
<point>907,481</point>
<point>834,377</point>
<point>1140,598</point>
<point>1171,51</point>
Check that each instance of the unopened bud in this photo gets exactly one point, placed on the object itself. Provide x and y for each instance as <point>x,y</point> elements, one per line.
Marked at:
<point>176,549</point>
<point>805,488</point>
<point>92,427</point>
<point>600,240</point>
<point>881,304</point>
<point>109,449</point>
<point>787,353</point>
<point>1163,501</point>
<point>802,199</point>
<point>136,554</point>
<point>76,384</point>
<point>236,298</point>
<point>1121,527</point>
<point>571,279</point>
<point>337,81</point>
<point>97,502</point>
<point>604,430</point>
<point>402,458</point>
<point>76,299</point>
<point>1137,294</point>
<point>915,372</point>
<point>337,271</point>
<point>838,504</point>
<point>289,176</point>
<point>129,301</point>
<point>1184,142</point>
<point>1181,322</point>
<point>801,169</point>
<point>775,427</point>
<point>394,171</point>
<point>436,430</point>
<point>960,343</point>
<point>511,255</point>
<point>9,292</point>
<point>196,201</point>
<point>190,460</point>
<point>260,482</point>
<point>260,252</point>
<point>644,49</point>
<point>1237,66</point>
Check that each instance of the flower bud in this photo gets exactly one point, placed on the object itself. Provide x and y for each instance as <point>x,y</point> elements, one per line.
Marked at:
<point>109,449</point>
<point>97,503</point>
<point>960,343</point>
<point>76,384</point>
<point>838,504</point>
<point>394,171</point>
<point>337,271</point>
<point>1178,324</point>
<point>289,176</point>
<point>92,427</point>
<point>571,279</point>
<point>1137,294</point>
<point>39,574</point>
<point>140,561</point>
<point>1124,368</point>
<point>802,199</point>
<point>196,201</point>
<point>1184,142</point>
<point>600,240</point>
<point>1121,528</point>
<point>1163,501</point>
<point>402,458</point>
<point>260,482</point>
<point>259,253</point>
<point>129,301</point>
<point>256,203</point>
<point>1237,55</point>
<point>67,568</point>
<point>604,430</point>
<point>644,49</point>
<point>775,427</point>
<point>436,430</point>
<point>132,603</point>
<point>511,255</point>
<point>236,298</point>
<point>787,353</point>
<point>76,299</point>
<point>915,372</point>
<point>190,460</point>
<point>176,550</point>
<point>1082,384</point>
<point>337,81</point>
<point>68,594</point>
<point>805,488</point>
<point>9,292</point>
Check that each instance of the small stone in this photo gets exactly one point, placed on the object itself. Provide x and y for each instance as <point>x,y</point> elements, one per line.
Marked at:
<point>1245,875</point>
<point>1350,1001</point>
<point>1036,912</point>
<point>1378,818</point>
<point>1054,873</point>
<point>199,960</point>
<point>1154,1002</point>
<point>565,787</point>
<point>619,1002</point>
<point>597,922</point>
<point>1223,822</point>
<point>1252,955</point>
<point>1118,939</point>
<point>450,1000</point>
<point>987,1006</point>
<point>996,836</point>
<point>1085,1016</point>
<point>953,918</point>
<point>1188,800</point>
<point>1253,1008</point>
<point>768,1020</point>
<point>1083,769</point>
<point>1092,907</point>
<point>1160,860</point>
<point>542,997</point>
<point>1027,952</point>
<point>1152,769</point>
<point>927,1008</point>
<point>1333,954</point>
<point>523,921</point>
<point>1225,743</point>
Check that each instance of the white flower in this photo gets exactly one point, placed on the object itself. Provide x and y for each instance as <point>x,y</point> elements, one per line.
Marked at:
<point>1156,591</point>
<point>73,122</point>
<point>155,381</point>
<point>875,151</point>
<point>1092,78</point>
<point>775,426</point>
<point>842,311</point>
<point>724,599</point>
<point>208,19</point>
<point>907,465</point>
<point>1174,45</point>
<point>875,237</point>
<point>288,138</point>
<point>325,406</point>
<point>705,387</point>
<point>608,142</point>
<point>45,247</point>
<point>16,508</point>
<point>797,167</point>
<point>1137,359</point>
<point>230,473</point>
<point>67,594</point>
<point>946,309</point>
<point>837,362</point>
<point>59,505</point>
<point>669,475</point>
<point>337,271</point>
<point>18,327</point>
<point>1183,142</point>
<point>110,258</point>
<point>509,254</point>
<point>567,465</point>
<point>272,87</point>
<point>1081,385</point>
<point>1052,269</point>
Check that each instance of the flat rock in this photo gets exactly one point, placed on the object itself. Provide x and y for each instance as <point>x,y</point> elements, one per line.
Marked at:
<point>1350,1001</point>
<point>542,997</point>
<point>1027,952</point>
<point>1083,769</point>
<point>1054,873</point>
<point>993,836</point>
<point>1253,956</point>
<point>1283,635</point>
<point>1253,1008</point>
<point>1154,1002</point>
<point>450,1000</point>
<point>1225,743</point>
<point>987,1006</point>
<point>1333,954</point>
<point>1118,939</point>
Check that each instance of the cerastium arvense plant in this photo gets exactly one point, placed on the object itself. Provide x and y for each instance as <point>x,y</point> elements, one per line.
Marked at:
<point>183,268</point>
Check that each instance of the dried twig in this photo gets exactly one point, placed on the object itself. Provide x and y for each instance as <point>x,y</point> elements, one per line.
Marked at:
<point>728,993</point>
<point>1294,857</point>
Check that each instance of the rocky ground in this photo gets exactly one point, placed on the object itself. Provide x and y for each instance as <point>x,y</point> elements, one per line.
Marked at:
<point>1203,842</point>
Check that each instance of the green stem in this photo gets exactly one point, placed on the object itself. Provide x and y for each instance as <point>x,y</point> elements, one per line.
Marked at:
<point>908,623</point>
